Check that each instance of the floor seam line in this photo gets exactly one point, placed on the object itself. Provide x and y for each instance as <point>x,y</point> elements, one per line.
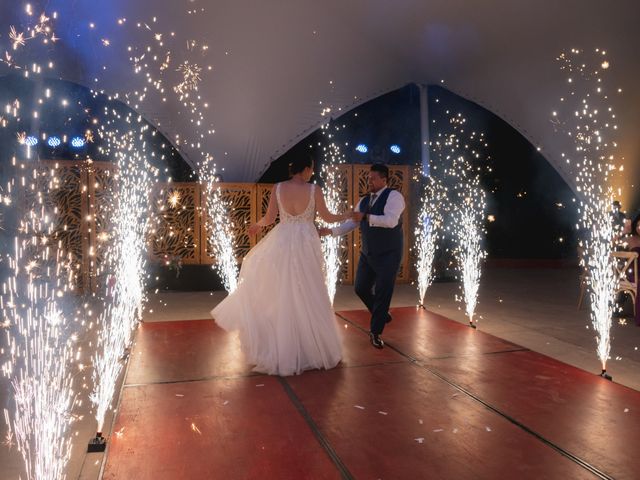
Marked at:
<point>577,460</point>
<point>236,377</point>
<point>324,442</point>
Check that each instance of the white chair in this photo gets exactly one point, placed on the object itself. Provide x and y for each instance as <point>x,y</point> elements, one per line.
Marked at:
<point>626,263</point>
<point>627,272</point>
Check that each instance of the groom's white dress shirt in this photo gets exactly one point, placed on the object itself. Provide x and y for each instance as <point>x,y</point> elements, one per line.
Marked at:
<point>389,219</point>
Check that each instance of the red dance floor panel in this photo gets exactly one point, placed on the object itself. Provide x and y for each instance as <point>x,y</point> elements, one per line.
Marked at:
<point>184,350</point>
<point>441,401</point>
<point>399,421</point>
<point>216,429</point>
<point>199,349</point>
<point>424,334</point>
<point>583,413</point>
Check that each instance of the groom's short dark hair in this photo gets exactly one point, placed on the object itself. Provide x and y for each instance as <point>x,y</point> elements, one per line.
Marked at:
<point>382,169</point>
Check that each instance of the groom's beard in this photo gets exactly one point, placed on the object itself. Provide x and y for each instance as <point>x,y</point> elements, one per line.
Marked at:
<point>375,190</point>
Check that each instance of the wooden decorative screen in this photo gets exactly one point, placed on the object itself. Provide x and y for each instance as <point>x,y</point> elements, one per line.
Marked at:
<point>82,193</point>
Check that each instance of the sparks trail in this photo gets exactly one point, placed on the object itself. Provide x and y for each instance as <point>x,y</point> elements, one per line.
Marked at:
<point>586,115</point>
<point>332,178</point>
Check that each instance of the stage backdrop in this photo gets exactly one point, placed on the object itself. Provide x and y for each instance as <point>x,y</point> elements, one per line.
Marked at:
<point>81,193</point>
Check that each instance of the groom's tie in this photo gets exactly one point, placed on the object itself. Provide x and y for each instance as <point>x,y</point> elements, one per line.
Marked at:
<point>372,198</point>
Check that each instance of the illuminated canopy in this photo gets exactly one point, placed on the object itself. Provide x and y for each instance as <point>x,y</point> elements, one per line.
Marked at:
<point>277,64</point>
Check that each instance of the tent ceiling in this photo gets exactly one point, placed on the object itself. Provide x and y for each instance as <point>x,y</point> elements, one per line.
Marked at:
<point>275,61</point>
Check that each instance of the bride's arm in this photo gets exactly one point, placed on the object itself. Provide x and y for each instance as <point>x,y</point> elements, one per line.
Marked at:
<point>270,216</point>
<point>324,212</point>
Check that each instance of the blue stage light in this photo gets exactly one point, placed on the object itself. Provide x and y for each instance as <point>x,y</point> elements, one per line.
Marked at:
<point>395,149</point>
<point>77,142</point>
<point>31,141</point>
<point>54,141</point>
<point>362,148</point>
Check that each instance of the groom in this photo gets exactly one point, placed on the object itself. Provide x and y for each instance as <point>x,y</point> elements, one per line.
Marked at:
<point>379,215</point>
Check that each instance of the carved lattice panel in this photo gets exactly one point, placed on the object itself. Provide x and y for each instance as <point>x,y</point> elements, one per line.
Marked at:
<point>82,196</point>
<point>102,183</point>
<point>346,187</point>
<point>65,202</point>
<point>241,199</point>
<point>399,178</point>
<point>263,195</point>
<point>176,227</point>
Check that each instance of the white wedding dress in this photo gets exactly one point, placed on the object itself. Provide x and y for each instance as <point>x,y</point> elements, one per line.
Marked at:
<point>281,307</point>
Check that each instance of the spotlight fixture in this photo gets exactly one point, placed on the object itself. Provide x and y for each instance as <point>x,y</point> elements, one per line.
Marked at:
<point>362,148</point>
<point>31,141</point>
<point>54,141</point>
<point>77,142</point>
<point>395,149</point>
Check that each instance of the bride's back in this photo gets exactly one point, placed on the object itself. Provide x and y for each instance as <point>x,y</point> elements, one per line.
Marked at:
<point>295,196</point>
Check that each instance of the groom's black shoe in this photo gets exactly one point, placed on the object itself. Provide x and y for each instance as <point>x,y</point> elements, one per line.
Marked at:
<point>375,339</point>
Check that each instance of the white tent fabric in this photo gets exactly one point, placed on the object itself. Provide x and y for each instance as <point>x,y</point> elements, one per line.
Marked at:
<point>277,63</point>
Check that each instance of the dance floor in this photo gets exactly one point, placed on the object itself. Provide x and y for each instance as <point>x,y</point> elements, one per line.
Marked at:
<point>441,401</point>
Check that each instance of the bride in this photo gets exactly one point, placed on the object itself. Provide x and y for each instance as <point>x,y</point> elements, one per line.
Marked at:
<point>281,307</point>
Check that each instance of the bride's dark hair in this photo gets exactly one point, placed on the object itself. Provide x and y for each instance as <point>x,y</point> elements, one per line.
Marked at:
<point>299,164</point>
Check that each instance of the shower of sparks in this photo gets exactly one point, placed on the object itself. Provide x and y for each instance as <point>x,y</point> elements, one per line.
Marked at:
<point>42,29</point>
<point>16,38</point>
<point>461,150</point>
<point>125,261</point>
<point>42,436</point>
<point>157,61</point>
<point>154,60</point>
<point>587,117</point>
<point>428,232</point>
<point>190,77</point>
<point>40,344</point>
<point>333,187</point>
<point>5,200</point>
<point>220,231</point>
<point>174,199</point>
<point>468,228</point>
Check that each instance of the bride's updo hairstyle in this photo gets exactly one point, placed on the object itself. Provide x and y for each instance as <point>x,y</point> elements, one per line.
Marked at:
<point>299,164</point>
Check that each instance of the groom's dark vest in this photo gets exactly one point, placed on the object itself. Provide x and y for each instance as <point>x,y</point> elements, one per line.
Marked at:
<point>377,240</point>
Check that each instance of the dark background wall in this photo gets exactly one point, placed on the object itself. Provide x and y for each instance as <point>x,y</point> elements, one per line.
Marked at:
<point>533,207</point>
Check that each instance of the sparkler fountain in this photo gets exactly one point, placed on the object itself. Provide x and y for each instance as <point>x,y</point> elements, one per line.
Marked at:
<point>428,232</point>
<point>460,149</point>
<point>40,340</point>
<point>155,61</point>
<point>126,258</point>
<point>587,117</point>
<point>332,179</point>
<point>125,261</point>
<point>468,229</point>
<point>41,351</point>
<point>219,228</point>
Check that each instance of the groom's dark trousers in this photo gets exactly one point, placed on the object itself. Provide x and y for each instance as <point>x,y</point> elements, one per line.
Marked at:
<point>380,258</point>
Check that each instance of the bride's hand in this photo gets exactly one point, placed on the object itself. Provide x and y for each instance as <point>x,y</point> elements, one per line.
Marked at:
<point>356,216</point>
<point>254,229</point>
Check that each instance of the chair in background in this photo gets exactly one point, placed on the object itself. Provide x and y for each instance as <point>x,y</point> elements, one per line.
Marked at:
<point>626,267</point>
